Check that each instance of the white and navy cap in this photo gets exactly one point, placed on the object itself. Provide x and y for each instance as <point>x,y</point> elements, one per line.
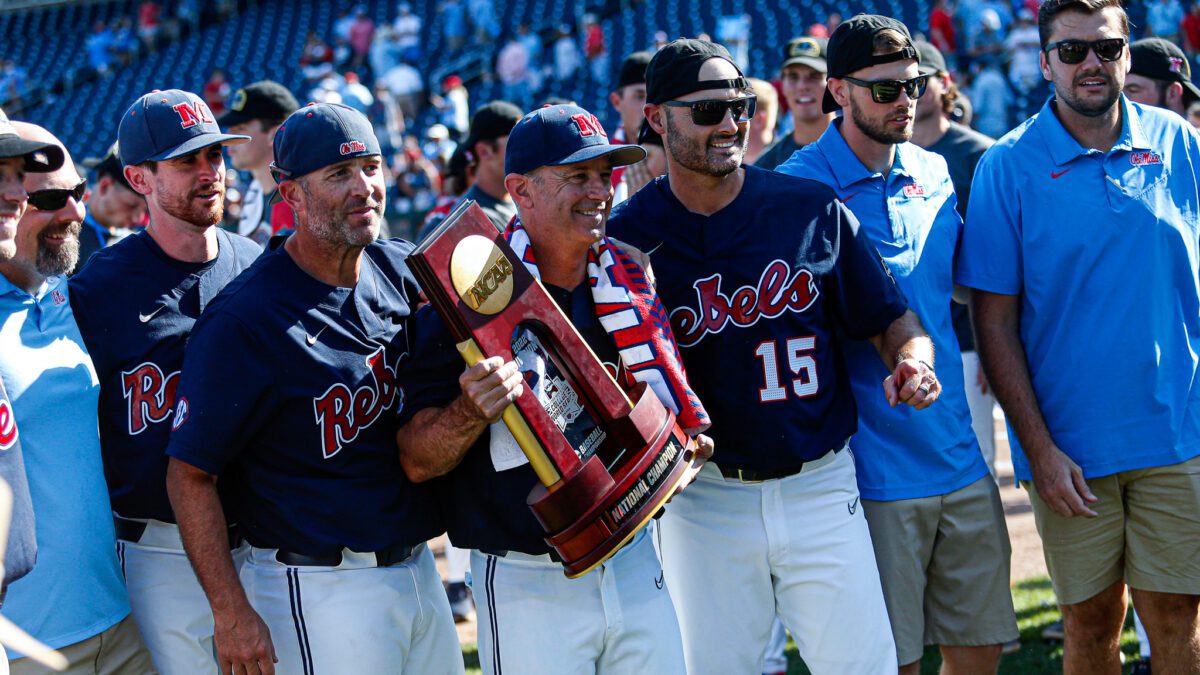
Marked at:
<point>166,124</point>
<point>39,157</point>
<point>320,134</point>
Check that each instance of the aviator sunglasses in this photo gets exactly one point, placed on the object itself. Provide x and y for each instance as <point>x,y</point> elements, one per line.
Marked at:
<point>708,112</point>
<point>53,199</point>
<point>886,91</point>
<point>1072,52</point>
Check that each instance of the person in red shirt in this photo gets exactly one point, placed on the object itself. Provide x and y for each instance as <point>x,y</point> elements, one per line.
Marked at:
<point>941,28</point>
<point>1190,27</point>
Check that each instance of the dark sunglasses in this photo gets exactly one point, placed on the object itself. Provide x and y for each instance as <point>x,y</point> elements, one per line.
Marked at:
<point>1071,52</point>
<point>54,199</point>
<point>708,112</point>
<point>886,91</point>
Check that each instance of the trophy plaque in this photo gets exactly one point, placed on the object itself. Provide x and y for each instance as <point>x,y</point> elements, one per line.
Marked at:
<point>606,461</point>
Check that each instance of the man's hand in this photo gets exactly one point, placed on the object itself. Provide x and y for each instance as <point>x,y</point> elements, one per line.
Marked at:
<point>1060,484</point>
<point>489,387</point>
<point>702,448</point>
<point>981,379</point>
<point>243,642</point>
<point>913,383</point>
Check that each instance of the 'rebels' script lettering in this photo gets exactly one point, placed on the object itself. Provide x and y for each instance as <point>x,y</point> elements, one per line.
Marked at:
<point>342,414</point>
<point>779,290</point>
<point>149,395</point>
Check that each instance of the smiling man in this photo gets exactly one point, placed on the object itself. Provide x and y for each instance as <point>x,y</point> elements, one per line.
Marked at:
<point>767,278</point>
<point>290,389</point>
<point>136,302</point>
<point>937,523</point>
<point>803,78</point>
<point>1081,245</point>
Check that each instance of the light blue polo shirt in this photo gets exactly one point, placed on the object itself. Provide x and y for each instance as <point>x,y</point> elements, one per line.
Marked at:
<point>1102,249</point>
<point>76,589</point>
<point>910,215</point>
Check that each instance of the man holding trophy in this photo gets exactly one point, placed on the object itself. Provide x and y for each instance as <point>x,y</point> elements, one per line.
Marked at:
<point>615,614</point>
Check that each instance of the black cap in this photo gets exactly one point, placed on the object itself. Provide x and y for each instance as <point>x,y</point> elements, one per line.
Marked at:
<point>1159,59</point>
<point>265,100</point>
<point>852,47</point>
<point>633,69</point>
<point>807,51</point>
<point>675,70</point>
<point>493,120</point>
<point>39,157</point>
<point>931,60</point>
<point>111,166</point>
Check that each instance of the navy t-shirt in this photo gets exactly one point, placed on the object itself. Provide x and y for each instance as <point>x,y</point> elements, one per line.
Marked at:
<point>136,306</point>
<point>289,390</point>
<point>485,508</point>
<point>759,295</point>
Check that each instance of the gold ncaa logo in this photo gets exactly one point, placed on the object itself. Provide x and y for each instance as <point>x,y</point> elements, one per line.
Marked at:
<point>805,47</point>
<point>481,275</point>
<point>239,100</point>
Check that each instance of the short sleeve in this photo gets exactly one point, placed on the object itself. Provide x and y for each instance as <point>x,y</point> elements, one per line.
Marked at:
<point>990,253</point>
<point>222,398</point>
<point>430,377</point>
<point>866,298</point>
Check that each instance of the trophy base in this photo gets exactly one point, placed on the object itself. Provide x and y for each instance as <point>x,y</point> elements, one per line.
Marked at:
<point>624,505</point>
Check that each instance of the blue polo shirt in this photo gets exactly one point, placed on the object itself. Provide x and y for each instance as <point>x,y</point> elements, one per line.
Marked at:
<point>75,590</point>
<point>1102,249</point>
<point>910,216</point>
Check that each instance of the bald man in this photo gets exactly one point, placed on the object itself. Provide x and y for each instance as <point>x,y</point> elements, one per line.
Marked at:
<point>74,600</point>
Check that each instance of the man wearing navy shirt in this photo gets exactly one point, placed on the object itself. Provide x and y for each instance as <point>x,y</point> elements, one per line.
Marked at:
<point>1081,247</point>
<point>936,520</point>
<point>765,277</point>
<point>617,618</point>
<point>136,302</point>
<point>289,394</point>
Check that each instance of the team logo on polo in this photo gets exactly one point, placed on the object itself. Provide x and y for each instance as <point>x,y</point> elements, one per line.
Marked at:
<point>353,146</point>
<point>192,113</point>
<point>8,425</point>
<point>341,413</point>
<point>779,290</point>
<point>1144,157</point>
<point>149,395</point>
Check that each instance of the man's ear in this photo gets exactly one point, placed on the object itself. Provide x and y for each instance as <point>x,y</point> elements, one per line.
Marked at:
<point>291,194</point>
<point>656,118</point>
<point>517,185</point>
<point>139,180</point>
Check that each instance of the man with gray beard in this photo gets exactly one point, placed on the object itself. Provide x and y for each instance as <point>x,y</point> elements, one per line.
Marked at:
<point>289,393</point>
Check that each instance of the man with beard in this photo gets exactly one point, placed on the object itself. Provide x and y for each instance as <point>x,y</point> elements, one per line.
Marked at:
<point>136,302</point>
<point>113,208</point>
<point>766,277</point>
<point>1081,250</point>
<point>803,77</point>
<point>1160,75</point>
<point>617,618</point>
<point>290,392</point>
<point>935,515</point>
<point>74,600</point>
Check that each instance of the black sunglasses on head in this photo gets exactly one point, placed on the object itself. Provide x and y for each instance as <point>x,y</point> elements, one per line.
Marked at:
<point>708,112</point>
<point>53,199</point>
<point>887,91</point>
<point>1072,52</point>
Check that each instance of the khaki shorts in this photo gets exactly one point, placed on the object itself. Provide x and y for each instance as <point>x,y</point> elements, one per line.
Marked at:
<point>944,564</point>
<point>1147,533</point>
<point>116,651</point>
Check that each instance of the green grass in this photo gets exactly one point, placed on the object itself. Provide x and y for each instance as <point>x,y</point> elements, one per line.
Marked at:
<point>1036,609</point>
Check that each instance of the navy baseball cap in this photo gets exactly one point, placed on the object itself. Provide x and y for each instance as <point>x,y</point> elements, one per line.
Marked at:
<point>562,134</point>
<point>320,134</point>
<point>167,124</point>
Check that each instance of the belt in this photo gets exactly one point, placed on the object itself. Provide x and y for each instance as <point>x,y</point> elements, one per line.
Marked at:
<point>132,530</point>
<point>758,476</point>
<point>393,555</point>
<point>501,553</point>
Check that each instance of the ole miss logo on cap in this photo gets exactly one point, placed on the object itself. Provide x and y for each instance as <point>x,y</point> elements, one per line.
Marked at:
<point>193,113</point>
<point>588,125</point>
<point>1176,64</point>
<point>353,146</point>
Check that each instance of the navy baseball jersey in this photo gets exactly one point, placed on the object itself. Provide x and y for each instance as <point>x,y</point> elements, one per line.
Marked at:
<point>485,508</point>
<point>289,389</point>
<point>759,294</point>
<point>136,306</point>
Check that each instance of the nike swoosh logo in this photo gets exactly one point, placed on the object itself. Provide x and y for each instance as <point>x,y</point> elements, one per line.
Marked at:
<point>852,507</point>
<point>1056,174</point>
<point>146,317</point>
<point>312,339</point>
<point>651,251</point>
<point>849,197</point>
<point>658,583</point>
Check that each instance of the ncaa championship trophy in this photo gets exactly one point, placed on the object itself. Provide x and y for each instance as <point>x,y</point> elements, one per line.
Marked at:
<point>606,463</point>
